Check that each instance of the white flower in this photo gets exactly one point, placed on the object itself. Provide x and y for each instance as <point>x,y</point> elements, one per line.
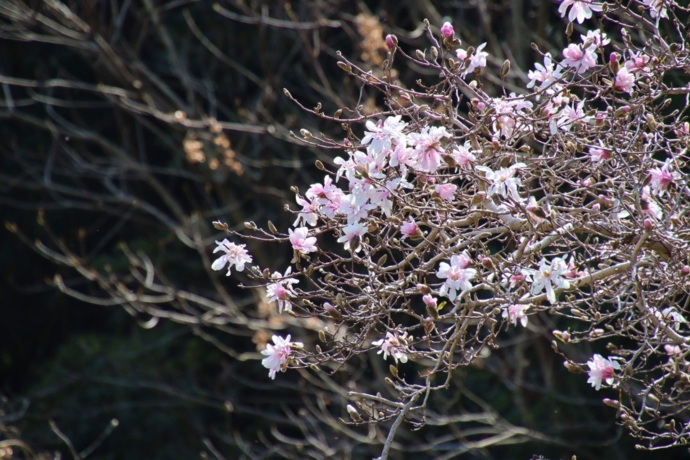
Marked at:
<point>301,241</point>
<point>549,274</point>
<point>235,254</point>
<point>581,9</point>
<point>546,74</point>
<point>478,59</point>
<point>352,236</point>
<point>278,355</point>
<point>516,312</point>
<point>281,291</point>
<point>601,370</point>
<point>457,276</point>
<point>380,135</point>
<point>393,345</point>
<point>504,182</point>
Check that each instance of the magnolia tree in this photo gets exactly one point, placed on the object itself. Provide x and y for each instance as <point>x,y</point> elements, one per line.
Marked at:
<point>453,216</point>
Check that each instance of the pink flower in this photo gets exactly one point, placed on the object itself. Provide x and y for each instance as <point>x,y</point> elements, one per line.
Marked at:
<point>391,41</point>
<point>546,74</point>
<point>409,229</point>
<point>624,80</point>
<point>672,350</point>
<point>637,63</point>
<point>579,59</point>
<point>457,276</point>
<point>447,30</point>
<point>601,370</point>
<point>428,148</point>
<point>599,154</point>
<point>649,206</point>
<point>430,301</point>
<point>581,9</point>
<point>446,191</point>
<point>571,115</point>
<point>301,241</point>
<point>516,312</point>
<point>662,178</point>
<point>281,291</point>
<point>278,355</point>
<point>235,254</point>
<point>393,345</point>
<point>462,154</point>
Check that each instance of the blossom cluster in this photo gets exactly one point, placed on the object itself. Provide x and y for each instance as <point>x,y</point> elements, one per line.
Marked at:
<point>536,203</point>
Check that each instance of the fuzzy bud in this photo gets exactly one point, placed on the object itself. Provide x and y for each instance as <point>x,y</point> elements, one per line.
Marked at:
<point>685,271</point>
<point>574,368</point>
<point>648,224</point>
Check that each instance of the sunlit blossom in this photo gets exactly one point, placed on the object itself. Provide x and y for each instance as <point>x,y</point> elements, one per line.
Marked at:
<point>281,290</point>
<point>545,74</point>
<point>278,355</point>
<point>516,312</point>
<point>457,276</point>
<point>352,236</point>
<point>579,59</point>
<point>579,9</point>
<point>504,181</point>
<point>409,229</point>
<point>661,177</point>
<point>394,345</point>
<point>549,275</point>
<point>235,254</point>
<point>601,370</point>
<point>301,241</point>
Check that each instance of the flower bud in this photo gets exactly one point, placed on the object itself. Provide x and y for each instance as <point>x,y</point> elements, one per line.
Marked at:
<point>563,336</point>
<point>505,68</point>
<point>614,65</point>
<point>598,332</point>
<point>391,41</point>
<point>685,271</point>
<point>574,368</point>
<point>354,415</point>
<point>612,403</point>
<point>648,224</point>
<point>447,30</point>
<point>332,311</point>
